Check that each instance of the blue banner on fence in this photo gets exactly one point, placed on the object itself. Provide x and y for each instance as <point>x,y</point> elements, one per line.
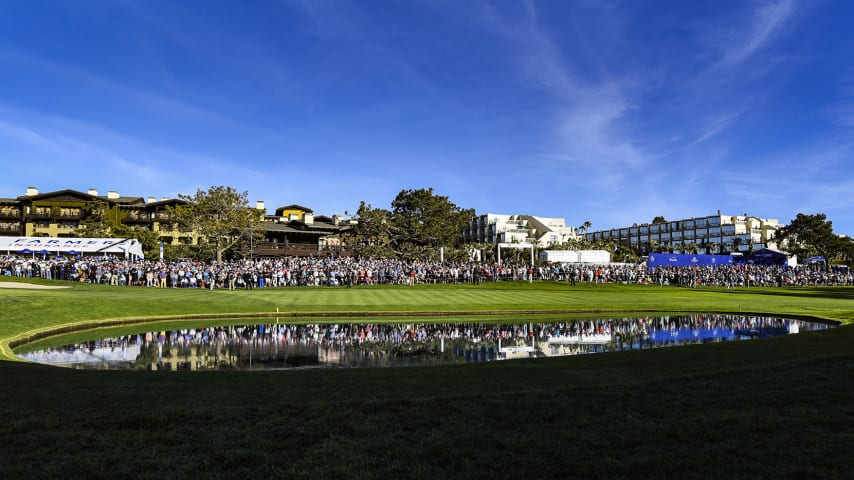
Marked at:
<point>686,260</point>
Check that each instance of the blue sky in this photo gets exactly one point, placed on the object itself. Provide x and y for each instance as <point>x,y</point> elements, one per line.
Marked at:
<point>608,111</point>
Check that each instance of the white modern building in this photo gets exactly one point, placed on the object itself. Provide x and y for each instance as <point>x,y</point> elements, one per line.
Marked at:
<point>495,228</point>
<point>711,234</point>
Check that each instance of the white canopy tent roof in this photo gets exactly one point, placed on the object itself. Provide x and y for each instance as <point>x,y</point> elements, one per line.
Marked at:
<point>72,246</point>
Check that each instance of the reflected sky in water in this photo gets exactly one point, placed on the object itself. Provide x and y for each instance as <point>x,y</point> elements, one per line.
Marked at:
<point>282,346</point>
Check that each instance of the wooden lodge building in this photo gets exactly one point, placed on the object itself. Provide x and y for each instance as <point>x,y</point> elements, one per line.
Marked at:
<point>294,230</point>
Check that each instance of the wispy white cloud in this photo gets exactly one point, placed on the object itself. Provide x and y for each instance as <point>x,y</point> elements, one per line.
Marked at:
<point>714,126</point>
<point>842,110</point>
<point>816,178</point>
<point>31,137</point>
<point>69,150</point>
<point>155,102</point>
<point>589,111</point>
<point>764,24</point>
<point>332,20</point>
<point>58,150</point>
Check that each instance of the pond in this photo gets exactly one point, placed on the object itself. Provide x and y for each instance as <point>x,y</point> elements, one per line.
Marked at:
<point>261,346</point>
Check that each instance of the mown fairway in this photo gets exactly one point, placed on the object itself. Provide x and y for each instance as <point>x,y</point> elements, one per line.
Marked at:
<point>780,408</point>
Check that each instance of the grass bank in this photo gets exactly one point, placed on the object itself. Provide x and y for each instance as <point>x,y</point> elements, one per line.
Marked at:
<point>777,408</point>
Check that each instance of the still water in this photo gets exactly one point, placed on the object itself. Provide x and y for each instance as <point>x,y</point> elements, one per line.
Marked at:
<point>281,346</point>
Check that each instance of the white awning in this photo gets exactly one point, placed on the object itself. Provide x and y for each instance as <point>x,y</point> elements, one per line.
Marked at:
<point>72,246</point>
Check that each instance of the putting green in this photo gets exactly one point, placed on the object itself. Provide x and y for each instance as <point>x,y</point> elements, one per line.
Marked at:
<point>33,311</point>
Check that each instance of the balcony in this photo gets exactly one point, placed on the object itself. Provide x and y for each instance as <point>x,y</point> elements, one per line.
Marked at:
<point>137,218</point>
<point>40,215</point>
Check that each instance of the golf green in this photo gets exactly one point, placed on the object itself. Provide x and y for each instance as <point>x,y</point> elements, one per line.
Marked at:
<point>771,408</point>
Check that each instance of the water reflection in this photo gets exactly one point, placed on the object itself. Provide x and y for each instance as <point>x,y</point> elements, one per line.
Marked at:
<point>277,346</point>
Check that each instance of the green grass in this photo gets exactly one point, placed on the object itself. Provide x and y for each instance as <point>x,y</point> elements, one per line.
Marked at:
<point>778,408</point>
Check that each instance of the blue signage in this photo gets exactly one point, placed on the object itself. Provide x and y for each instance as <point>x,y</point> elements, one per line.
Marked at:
<point>686,260</point>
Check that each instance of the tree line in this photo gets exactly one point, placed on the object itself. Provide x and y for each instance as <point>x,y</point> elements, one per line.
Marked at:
<point>418,225</point>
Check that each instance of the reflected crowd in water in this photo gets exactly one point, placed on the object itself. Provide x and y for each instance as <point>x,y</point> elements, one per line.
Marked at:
<point>276,345</point>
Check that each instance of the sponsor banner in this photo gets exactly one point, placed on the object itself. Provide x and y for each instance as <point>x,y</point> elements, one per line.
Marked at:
<point>687,260</point>
<point>72,246</point>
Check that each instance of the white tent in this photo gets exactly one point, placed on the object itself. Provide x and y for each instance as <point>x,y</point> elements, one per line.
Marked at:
<point>72,246</point>
<point>575,256</point>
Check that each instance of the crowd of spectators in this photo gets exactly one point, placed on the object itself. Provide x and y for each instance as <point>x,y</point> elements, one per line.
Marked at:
<point>350,271</point>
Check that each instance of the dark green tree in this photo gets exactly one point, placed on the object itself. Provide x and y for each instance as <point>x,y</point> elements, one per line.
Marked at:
<point>652,246</point>
<point>105,221</point>
<point>658,219</point>
<point>102,221</point>
<point>690,248</point>
<point>846,250</point>
<point>811,235</point>
<point>422,222</point>
<point>371,236</point>
<point>219,216</point>
<point>149,240</point>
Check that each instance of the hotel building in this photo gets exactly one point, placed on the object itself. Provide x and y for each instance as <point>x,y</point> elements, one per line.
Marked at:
<point>495,228</point>
<point>710,234</point>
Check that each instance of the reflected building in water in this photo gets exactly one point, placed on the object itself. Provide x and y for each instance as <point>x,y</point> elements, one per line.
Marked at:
<point>281,346</point>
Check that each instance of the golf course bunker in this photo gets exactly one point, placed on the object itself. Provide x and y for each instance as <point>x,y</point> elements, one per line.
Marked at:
<point>29,286</point>
<point>245,344</point>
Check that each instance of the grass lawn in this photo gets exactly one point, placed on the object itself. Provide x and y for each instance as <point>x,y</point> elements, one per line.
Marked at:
<point>777,408</point>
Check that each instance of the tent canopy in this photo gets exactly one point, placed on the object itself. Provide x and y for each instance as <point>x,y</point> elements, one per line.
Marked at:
<point>73,246</point>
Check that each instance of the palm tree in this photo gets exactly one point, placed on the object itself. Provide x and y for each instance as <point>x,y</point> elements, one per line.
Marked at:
<point>652,246</point>
<point>690,248</point>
